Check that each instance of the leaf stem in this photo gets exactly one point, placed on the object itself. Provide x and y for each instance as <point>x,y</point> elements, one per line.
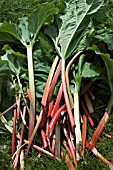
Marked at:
<point>32,90</point>
<point>68,104</point>
<point>77,120</point>
<point>67,75</point>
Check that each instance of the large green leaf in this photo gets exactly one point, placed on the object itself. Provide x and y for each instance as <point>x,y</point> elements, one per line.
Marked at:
<point>76,18</point>
<point>106,37</point>
<point>89,70</point>
<point>28,28</point>
<point>4,70</point>
<point>14,59</point>
<point>108,63</point>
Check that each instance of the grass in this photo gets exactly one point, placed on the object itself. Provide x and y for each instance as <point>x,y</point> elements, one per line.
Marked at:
<point>90,162</point>
<point>32,162</point>
<point>11,10</point>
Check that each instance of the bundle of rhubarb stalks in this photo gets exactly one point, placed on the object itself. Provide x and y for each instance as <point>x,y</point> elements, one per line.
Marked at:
<point>62,122</point>
<point>81,58</point>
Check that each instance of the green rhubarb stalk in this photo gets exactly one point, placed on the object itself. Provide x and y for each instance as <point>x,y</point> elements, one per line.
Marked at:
<point>77,120</point>
<point>58,143</point>
<point>67,75</point>
<point>32,90</point>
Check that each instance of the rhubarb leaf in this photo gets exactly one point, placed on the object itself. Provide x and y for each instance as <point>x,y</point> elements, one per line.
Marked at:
<point>75,20</point>
<point>89,70</point>
<point>29,27</point>
<point>108,63</point>
<point>106,37</point>
<point>14,59</point>
<point>4,69</point>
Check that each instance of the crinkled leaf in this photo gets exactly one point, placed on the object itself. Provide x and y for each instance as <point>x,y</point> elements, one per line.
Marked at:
<point>106,37</point>
<point>14,59</point>
<point>7,38</point>
<point>76,18</point>
<point>52,32</point>
<point>108,63</point>
<point>4,72</point>
<point>4,68</point>
<point>89,70</point>
<point>28,28</point>
<point>10,87</point>
<point>1,84</point>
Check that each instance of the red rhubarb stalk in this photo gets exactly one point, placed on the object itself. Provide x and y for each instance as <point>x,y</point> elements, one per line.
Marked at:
<point>53,144</point>
<point>20,142</point>
<point>71,147</point>
<point>54,80</point>
<point>67,148</point>
<point>102,123</point>
<point>55,118</point>
<point>58,99</point>
<point>67,160</point>
<point>48,83</point>
<point>43,136</point>
<point>87,114</point>
<point>27,142</point>
<point>51,104</point>
<point>66,97</point>
<point>14,133</point>
<point>18,106</point>
<point>99,129</point>
<point>44,102</point>
<point>67,75</point>
<point>34,132</point>
<point>88,103</point>
<point>29,94</point>
<point>84,130</point>
<point>98,155</point>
